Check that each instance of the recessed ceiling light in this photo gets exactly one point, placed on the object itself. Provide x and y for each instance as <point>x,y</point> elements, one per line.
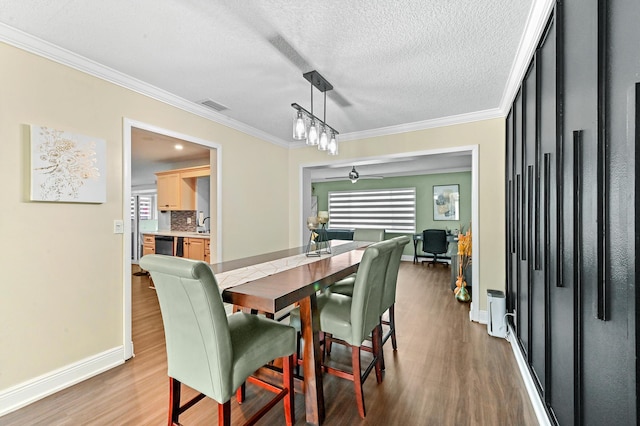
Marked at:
<point>178,146</point>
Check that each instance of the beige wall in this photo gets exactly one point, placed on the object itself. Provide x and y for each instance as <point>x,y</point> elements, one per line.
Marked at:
<point>489,135</point>
<point>62,266</point>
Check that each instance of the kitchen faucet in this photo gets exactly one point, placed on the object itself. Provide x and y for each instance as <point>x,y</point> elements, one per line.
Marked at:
<point>205,227</point>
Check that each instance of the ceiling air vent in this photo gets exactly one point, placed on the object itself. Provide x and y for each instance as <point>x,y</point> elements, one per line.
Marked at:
<point>213,105</point>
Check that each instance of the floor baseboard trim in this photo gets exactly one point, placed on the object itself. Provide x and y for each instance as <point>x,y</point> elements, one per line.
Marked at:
<point>21,395</point>
<point>534,396</point>
<point>481,317</point>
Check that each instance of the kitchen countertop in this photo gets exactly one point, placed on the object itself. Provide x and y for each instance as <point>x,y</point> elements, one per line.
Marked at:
<point>179,234</point>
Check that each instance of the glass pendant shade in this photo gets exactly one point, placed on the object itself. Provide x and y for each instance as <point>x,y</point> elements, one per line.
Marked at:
<point>312,134</point>
<point>299,127</point>
<point>313,129</point>
<point>323,144</point>
<point>333,145</point>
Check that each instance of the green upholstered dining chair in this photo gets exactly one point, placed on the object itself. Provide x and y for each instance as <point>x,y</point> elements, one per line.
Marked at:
<point>365,234</point>
<point>345,286</point>
<point>389,295</point>
<point>208,351</point>
<point>390,284</point>
<point>350,320</point>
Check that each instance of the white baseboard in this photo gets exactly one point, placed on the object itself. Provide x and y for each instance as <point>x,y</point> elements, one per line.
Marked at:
<point>481,317</point>
<point>25,393</point>
<point>534,396</point>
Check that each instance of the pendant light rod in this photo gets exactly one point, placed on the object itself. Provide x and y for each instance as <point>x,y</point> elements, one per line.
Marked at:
<point>325,107</point>
<point>299,108</point>
<point>311,99</point>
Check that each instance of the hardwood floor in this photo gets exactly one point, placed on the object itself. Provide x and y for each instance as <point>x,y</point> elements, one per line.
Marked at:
<point>447,371</point>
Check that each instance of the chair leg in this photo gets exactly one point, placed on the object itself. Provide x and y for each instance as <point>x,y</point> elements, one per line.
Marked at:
<point>327,343</point>
<point>174,401</point>
<point>377,352</point>
<point>224,414</point>
<point>287,383</point>
<point>381,345</point>
<point>241,393</point>
<point>392,322</point>
<point>297,356</point>
<point>357,379</point>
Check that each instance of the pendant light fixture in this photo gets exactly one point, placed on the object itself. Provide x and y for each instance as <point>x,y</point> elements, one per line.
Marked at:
<point>308,127</point>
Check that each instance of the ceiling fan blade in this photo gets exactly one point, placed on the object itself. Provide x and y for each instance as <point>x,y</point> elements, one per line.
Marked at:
<point>288,51</point>
<point>283,46</point>
<point>361,177</point>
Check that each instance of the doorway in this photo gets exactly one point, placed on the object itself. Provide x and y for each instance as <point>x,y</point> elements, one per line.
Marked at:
<point>215,160</point>
<point>307,172</point>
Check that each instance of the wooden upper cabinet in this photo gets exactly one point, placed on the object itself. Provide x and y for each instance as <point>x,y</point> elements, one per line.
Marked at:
<point>168,191</point>
<point>177,188</point>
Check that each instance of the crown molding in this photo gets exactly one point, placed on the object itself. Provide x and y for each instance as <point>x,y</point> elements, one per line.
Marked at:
<point>536,23</point>
<point>45,49</point>
<point>426,124</point>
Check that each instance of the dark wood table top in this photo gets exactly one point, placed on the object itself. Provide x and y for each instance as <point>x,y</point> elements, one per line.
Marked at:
<point>275,292</point>
<point>231,265</point>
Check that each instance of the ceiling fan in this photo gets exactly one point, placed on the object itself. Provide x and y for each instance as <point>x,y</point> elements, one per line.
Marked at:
<point>353,176</point>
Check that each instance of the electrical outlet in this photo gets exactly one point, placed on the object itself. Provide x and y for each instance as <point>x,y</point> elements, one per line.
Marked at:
<point>188,221</point>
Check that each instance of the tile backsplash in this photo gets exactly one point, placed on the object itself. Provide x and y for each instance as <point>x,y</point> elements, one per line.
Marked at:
<point>179,220</point>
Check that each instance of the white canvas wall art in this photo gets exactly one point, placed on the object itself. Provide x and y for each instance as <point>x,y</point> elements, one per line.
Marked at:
<point>67,167</point>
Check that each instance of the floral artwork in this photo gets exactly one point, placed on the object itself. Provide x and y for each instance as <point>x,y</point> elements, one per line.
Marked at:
<point>67,167</point>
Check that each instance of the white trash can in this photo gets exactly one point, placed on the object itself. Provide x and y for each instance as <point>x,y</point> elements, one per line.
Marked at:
<point>497,309</point>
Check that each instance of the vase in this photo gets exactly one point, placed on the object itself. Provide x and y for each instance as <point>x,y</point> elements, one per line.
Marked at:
<point>461,293</point>
<point>459,283</point>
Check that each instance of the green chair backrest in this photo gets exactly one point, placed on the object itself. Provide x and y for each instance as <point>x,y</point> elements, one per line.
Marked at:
<point>391,279</point>
<point>368,289</point>
<point>364,234</point>
<point>198,341</point>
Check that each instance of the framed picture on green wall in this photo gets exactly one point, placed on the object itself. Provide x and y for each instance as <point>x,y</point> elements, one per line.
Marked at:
<point>446,202</point>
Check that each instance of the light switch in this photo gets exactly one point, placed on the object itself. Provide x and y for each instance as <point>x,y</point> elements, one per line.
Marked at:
<point>118,227</point>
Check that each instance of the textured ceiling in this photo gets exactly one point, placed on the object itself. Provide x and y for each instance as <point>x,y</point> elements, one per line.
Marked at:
<point>391,63</point>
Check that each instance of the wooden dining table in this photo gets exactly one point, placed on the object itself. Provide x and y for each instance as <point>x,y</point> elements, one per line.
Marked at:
<point>299,284</point>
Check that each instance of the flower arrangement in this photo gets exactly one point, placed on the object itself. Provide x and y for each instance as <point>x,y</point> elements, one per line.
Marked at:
<point>464,259</point>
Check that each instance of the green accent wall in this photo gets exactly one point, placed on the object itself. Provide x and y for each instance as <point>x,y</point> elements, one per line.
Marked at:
<point>424,196</point>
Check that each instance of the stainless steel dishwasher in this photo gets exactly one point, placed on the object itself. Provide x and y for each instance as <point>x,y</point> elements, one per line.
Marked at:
<point>164,245</point>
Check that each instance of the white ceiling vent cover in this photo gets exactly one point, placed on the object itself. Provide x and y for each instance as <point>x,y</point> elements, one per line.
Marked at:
<point>213,105</point>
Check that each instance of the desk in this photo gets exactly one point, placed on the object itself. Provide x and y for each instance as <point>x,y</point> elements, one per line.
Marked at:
<point>275,292</point>
<point>418,237</point>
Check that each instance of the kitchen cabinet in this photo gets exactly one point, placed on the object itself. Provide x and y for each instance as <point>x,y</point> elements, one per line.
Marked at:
<point>207,250</point>
<point>194,248</point>
<point>177,188</point>
<point>168,185</point>
<point>148,244</point>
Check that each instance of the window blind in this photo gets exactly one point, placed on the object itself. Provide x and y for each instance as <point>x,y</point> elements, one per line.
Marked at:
<point>393,210</point>
<point>145,207</point>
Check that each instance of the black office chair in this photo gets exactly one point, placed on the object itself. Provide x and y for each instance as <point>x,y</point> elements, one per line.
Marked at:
<point>434,242</point>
